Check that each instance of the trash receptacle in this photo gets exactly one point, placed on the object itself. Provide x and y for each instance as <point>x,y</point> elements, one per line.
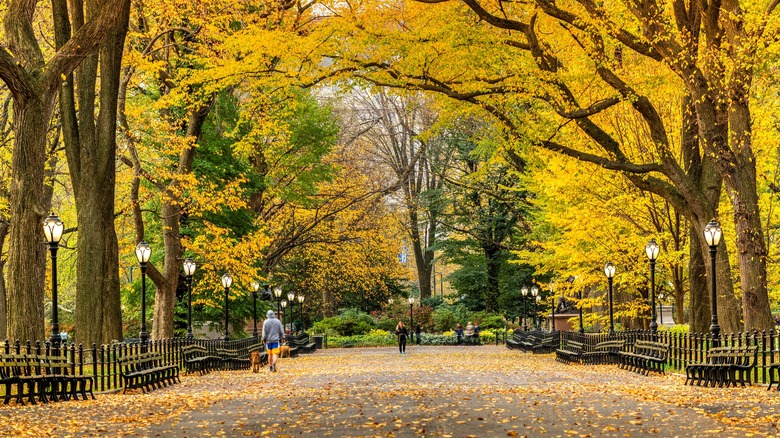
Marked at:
<point>318,341</point>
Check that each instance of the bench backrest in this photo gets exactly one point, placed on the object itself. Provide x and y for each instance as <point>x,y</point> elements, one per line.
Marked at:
<point>652,349</point>
<point>611,346</point>
<point>574,345</point>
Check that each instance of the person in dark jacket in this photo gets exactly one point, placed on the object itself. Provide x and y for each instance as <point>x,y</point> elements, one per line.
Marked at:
<point>402,333</point>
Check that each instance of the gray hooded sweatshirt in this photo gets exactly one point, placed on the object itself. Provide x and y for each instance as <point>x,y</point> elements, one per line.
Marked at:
<point>272,328</point>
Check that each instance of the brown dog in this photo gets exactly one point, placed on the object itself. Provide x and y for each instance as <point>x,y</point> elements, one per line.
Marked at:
<point>255,358</point>
<point>284,350</point>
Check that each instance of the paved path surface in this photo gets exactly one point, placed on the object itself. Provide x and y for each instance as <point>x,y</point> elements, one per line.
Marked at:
<point>432,391</point>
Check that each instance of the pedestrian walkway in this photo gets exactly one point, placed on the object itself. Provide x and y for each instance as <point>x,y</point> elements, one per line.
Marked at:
<point>483,391</point>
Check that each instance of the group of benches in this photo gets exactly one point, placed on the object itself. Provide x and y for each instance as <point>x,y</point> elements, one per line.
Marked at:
<point>45,378</point>
<point>535,341</point>
<point>642,356</point>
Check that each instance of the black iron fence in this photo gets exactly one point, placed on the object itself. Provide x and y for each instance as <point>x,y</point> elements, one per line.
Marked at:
<point>102,363</point>
<point>685,348</point>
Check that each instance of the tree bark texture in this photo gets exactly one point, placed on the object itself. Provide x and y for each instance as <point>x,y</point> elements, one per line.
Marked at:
<point>4,226</point>
<point>90,141</point>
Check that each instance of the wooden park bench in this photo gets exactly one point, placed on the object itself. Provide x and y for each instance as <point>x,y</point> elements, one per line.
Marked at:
<point>63,383</point>
<point>147,371</point>
<point>572,351</point>
<point>233,359</point>
<point>518,336</point>
<point>604,352</point>
<point>724,366</point>
<point>198,359</point>
<point>646,356</point>
<point>548,343</point>
<point>26,374</point>
<point>301,343</point>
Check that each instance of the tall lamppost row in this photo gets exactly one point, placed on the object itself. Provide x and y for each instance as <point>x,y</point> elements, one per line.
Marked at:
<point>189,271</point>
<point>255,288</point>
<point>712,234</point>
<point>552,293</point>
<point>652,250</point>
<point>524,291</point>
<point>52,229</point>
<point>227,280</point>
<point>142,252</point>
<point>609,270</point>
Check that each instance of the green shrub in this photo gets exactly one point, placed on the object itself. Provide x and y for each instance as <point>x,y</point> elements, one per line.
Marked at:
<point>350,322</point>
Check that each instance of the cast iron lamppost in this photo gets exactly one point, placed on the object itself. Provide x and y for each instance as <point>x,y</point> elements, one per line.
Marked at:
<point>189,271</point>
<point>142,252</point>
<point>661,308</point>
<point>227,280</point>
<point>579,304</point>
<point>255,288</point>
<point>552,292</point>
<point>284,306</point>
<point>609,269</point>
<point>538,317</point>
<point>524,291</point>
<point>52,229</point>
<point>411,315</point>
<point>535,294</point>
<point>278,295</point>
<point>291,301</point>
<point>300,301</point>
<point>652,250</point>
<point>712,234</point>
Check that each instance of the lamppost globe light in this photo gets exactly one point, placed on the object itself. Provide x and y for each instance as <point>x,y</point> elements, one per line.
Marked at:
<point>290,296</point>
<point>534,291</point>
<point>189,267</point>
<point>227,280</point>
<point>652,249</point>
<point>411,300</point>
<point>278,292</point>
<point>524,291</point>
<point>143,251</point>
<point>609,270</point>
<point>53,228</point>
<point>713,233</point>
<point>284,304</point>
<point>301,298</point>
<point>255,286</point>
<point>390,301</point>
<point>538,297</point>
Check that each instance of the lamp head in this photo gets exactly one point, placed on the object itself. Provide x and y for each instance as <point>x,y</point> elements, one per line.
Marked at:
<point>143,251</point>
<point>534,291</point>
<point>390,301</point>
<point>189,267</point>
<point>53,228</point>
<point>609,269</point>
<point>652,250</point>
<point>278,292</point>
<point>255,286</point>
<point>227,280</point>
<point>524,290</point>
<point>301,298</point>
<point>713,233</point>
<point>411,300</point>
<point>284,303</point>
<point>290,296</point>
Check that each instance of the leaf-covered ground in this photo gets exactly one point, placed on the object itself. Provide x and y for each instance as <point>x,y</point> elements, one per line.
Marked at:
<point>432,391</point>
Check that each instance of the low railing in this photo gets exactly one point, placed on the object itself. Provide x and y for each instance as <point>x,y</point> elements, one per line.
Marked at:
<point>102,363</point>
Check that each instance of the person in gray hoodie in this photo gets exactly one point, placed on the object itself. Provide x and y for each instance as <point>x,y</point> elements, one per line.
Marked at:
<point>273,336</point>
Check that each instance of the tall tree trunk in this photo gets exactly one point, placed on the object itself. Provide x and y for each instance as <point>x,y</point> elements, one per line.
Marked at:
<point>4,225</point>
<point>493,269</point>
<point>27,251</point>
<point>91,151</point>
